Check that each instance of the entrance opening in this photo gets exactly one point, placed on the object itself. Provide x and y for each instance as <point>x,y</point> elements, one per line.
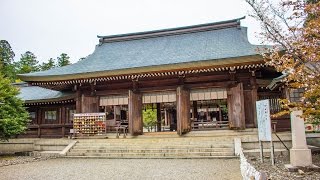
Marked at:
<point>159,117</point>
<point>116,115</point>
<point>209,114</point>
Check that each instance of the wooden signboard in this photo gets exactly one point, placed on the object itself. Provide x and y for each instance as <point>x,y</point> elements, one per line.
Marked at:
<point>264,126</point>
<point>264,120</point>
<point>89,123</point>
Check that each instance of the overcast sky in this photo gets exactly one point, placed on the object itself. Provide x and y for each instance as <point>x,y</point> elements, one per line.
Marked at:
<point>51,27</point>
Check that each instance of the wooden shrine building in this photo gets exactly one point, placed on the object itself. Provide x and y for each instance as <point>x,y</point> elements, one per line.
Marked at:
<point>200,76</point>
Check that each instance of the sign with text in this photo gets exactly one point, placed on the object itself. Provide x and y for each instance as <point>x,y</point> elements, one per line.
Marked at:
<point>264,121</point>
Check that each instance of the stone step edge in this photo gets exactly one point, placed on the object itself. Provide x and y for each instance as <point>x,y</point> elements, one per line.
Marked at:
<point>155,144</point>
<point>143,157</point>
<point>155,140</point>
<point>264,150</point>
<point>151,149</point>
<point>152,154</point>
<point>146,147</point>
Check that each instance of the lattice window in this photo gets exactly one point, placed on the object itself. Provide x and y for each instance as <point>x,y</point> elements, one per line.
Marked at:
<point>50,117</point>
<point>32,115</point>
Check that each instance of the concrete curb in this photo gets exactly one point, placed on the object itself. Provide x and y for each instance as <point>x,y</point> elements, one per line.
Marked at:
<point>66,149</point>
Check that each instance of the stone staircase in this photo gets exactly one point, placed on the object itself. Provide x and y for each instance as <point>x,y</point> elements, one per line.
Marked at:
<point>50,147</point>
<point>154,147</point>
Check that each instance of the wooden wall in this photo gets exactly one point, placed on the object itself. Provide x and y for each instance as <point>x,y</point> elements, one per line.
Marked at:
<point>89,104</point>
<point>58,128</point>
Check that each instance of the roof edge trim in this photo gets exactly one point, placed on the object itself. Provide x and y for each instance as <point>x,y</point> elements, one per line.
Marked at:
<point>171,31</point>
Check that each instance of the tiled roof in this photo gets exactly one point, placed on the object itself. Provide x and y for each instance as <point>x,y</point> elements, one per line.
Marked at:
<point>39,94</point>
<point>150,51</point>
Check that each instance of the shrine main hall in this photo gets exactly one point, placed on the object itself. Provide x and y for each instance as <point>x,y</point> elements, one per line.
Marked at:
<point>205,76</point>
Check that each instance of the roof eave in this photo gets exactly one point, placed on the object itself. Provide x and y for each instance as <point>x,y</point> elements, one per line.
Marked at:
<point>167,67</point>
<point>69,97</point>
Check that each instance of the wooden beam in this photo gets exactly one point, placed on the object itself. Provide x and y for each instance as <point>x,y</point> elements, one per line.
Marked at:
<point>202,78</point>
<point>210,84</point>
<point>135,113</point>
<point>112,92</point>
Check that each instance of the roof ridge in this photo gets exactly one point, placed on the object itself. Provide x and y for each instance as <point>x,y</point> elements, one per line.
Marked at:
<point>171,31</point>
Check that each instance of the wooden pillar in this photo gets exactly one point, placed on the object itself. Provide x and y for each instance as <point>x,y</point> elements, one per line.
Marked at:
<point>135,113</point>
<point>63,120</point>
<point>39,120</point>
<point>183,110</point>
<point>39,132</point>
<point>158,117</point>
<point>38,116</point>
<point>195,110</point>
<point>165,117</point>
<point>114,114</point>
<point>78,101</point>
<point>254,98</point>
<point>250,98</point>
<point>236,113</point>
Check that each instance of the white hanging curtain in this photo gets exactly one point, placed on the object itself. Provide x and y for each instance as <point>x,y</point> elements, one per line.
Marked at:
<point>207,94</point>
<point>159,97</point>
<point>114,100</point>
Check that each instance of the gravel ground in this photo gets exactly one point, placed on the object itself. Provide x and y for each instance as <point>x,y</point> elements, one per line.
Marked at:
<point>279,172</point>
<point>65,168</point>
<point>8,160</point>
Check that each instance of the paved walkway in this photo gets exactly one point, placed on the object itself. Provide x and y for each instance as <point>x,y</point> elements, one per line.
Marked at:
<point>140,169</point>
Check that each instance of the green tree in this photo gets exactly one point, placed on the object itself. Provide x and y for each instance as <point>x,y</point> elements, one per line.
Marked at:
<point>63,60</point>
<point>293,27</point>
<point>48,65</point>
<point>13,115</point>
<point>149,118</point>
<point>6,60</point>
<point>27,63</point>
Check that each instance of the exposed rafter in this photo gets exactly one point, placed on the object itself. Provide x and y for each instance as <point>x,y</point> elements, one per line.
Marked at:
<point>151,74</point>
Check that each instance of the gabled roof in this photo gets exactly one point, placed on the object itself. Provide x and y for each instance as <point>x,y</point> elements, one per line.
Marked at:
<point>32,94</point>
<point>192,46</point>
<point>277,81</point>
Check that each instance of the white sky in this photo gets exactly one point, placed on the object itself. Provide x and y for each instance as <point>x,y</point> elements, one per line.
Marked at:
<point>51,27</point>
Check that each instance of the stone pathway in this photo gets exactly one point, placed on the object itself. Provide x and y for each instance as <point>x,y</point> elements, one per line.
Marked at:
<point>63,168</point>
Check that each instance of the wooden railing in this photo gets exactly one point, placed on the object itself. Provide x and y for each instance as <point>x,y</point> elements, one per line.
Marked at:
<point>207,125</point>
<point>274,99</point>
